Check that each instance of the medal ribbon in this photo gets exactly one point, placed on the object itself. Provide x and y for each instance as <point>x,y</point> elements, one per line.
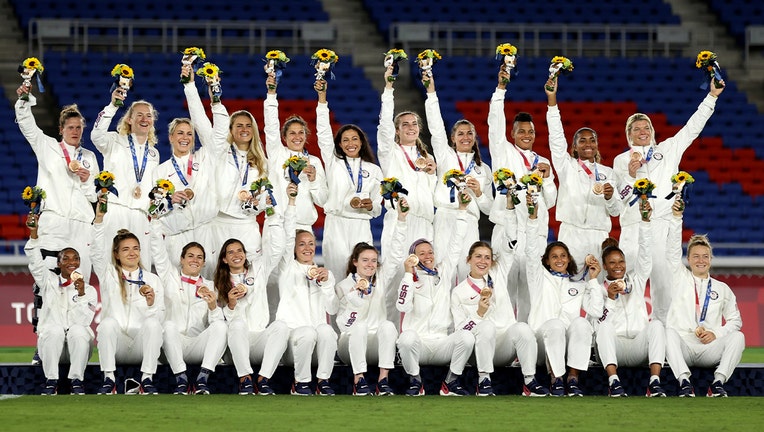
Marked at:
<point>478,289</point>
<point>703,311</point>
<point>469,167</point>
<point>528,166</point>
<point>558,274</point>
<point>189,169</point>
<point>238,168</point>
<point>138,282</point>
<point>138,173</point>
<point>64,284</point>
<point>66,153</point>
<point>595,175</point>
<point>405,153</point>
<point>359,183</point>
<point>371,285</point>
<point>648,156</point>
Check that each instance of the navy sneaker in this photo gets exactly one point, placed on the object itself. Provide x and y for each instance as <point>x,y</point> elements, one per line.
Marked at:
<point>245,385</point>
<point>301,389</point>
<point>655,389</point>
<point>616,390</point>
<point>323,388</point>
<point>686,390</point>
<point>557,389</point>
<point>361,388</point>
<point>384,389</point>
<point>109,387</point>
<point>181,386</point>
<point>263,387</point>
<point>200,387</point>
<point>573,389</point>
<point>485,388</point>
<point>77,387</point>
<point>147,387</point>
<point>415,388</point>
<point>36,360</point>
<point>716,390</point>
<point>534,389</point>
<point>50,388</point>
<point>452,388</point>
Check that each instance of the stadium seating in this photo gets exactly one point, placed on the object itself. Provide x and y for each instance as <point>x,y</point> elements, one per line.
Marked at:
<point>737,14</point>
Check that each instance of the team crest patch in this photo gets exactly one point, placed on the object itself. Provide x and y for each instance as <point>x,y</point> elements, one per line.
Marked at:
<point>573,292</point>
<point>477,170</point>
<point>714,295</point>
<point>86,164</point>
<point>364,174</point>
<point>152,152</point>
<point>658,156</point>
<point>195,166</point>
<point>601,176</point>
<point>249,281</point>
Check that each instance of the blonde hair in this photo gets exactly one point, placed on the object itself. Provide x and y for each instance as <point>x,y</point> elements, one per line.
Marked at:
<point>179,121</point>
<point>255,152</point>
<point>124,127</point>
<point>70,111</point>
<point>419,143</point>
<point>700,240</point>
<point>630,122</point>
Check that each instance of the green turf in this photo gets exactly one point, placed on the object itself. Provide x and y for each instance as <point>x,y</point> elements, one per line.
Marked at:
<point>399,413</point>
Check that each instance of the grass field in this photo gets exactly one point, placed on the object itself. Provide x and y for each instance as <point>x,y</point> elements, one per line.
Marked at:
<point>398,413</point>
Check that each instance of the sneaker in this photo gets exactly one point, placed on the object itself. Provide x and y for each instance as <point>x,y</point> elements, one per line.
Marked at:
<point>415,388</point>
<point>77,387</point>
<point>50,388</point>
<point>573,389</point>
<point>181,386</point>
<point>301,389</point>
<point>485,388</point>
<point>263,388</point>
<point>686,390</point>
<point>201,388</point>
<point>716,390</point>
<point>36,360</point>
<point>147,387</point>
<point>557,389</point>
<point>323,388</point>
<point>109,387</point>
<point>534,389</point>
<point>616,390</point>
<point>655,389</point>
<point>383,389</point>
<point>245,385</point>
<point>452,388</point>
<point>361,388</point>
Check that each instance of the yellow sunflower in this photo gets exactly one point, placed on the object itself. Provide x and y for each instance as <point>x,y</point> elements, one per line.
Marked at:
<point>536,178</point>
<point>27,194</point>
<point>33,63</point>
<point>166,185</point>
<point>105,176</point>
<point>502,174</point>
<point>641,183</point>
<point>325,55</point>
<point>209,70</point>
<point>390,179</point>
<point>195,51</point>
<point>506,49</point>
<point>452,173</point>
<point>122,70</point>
<point>429,53</point>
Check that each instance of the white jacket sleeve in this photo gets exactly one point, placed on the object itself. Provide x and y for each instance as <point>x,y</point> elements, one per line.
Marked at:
<point>444,155</point>
<point>497,127</point>
<point>84,308</point>
<point>386,130</point>
<point>324,132</point>
<point>102,139</point>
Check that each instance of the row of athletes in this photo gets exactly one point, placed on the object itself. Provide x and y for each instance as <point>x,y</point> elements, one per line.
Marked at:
<point>194,320</point>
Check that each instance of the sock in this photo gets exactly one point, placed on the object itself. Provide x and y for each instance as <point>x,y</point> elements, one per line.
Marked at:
<point>203,374</point>
<point>655,378</point>
<point>528,378</point>
<point>720,377</point>
<point>181,376</point>
<point>612,378</point>
<point>683,377</point>
<point>483,375</point>
<point>109,375</point>
<point>415,377</point>
<point>146,376</point>
<point>451,377</point>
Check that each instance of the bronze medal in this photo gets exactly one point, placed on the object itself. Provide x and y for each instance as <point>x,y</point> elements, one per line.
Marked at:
<point>412,259</point>
<point>74,165</point>
<point>312,272</point>
<point>244,195</point>
<point>420,163</point>
<point>189,193</point>
<point>137,192</point>
<point>363,284</point>
<point>355,202</point>
<point>598,189</point>
<point>636,156</point>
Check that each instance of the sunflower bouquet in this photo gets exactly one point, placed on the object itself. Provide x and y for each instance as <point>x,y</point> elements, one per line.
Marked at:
<point>533,183</point>
<point>559,65</point>
<point>294,166</point>
<point>643,190</point>
<point>28,68</point>
<point>392,57</point>
<point>426,59</point>
<point>265,184</point>
<point>161,198</point>
<point>680,186</point>
<point>123,79</point>
<point>506,53</point>
<point>323,60</point>
<point>211,72</point>
<point>275,63</point>
<point>392,189</point>
<point>33,196</point>
<point>192,56</point>
<point>104,183</point>
<point>506,183</point>
<point>706,60</point>
<point>457,181</point>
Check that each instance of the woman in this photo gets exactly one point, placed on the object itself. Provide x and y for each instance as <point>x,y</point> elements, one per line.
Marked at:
<point>68,309</point>
<point>241,281</point>
<point>192,172</point>
<point>704,322</point>
<point>457,151</point>
<point>65,171</point>
<point>556,302</point>
<point>134,141</point>
<point>365,332</point>
<point>133,308</point>
<point>353,178</point>
<point>194,328</point>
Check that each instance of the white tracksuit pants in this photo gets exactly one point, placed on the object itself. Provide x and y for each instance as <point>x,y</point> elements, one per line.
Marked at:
<point>51,343</point>
<point>646,348</point>
<point>553,338</point>
<point>501,348</point>
<point>661,277</point>
<point>136,221</point>
<point>205,348</point>
<point>358,346</point>
<point>724,353</point>
<point>264,347</point>
<point>340,236</point>
<point>308,345</point>
<point>116,346</point>
<point>453,350</point>
<point>582,242</point>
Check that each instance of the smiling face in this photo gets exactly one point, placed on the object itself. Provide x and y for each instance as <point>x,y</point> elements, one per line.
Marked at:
<point>350,143</point>
<point>614,265</point>
<point>558,259</point>
<point>366,263</point>
<point>141,120</point>
<point>524,135</point>
<point>71,132</point>
<point>68,261</point>
<point>192,261</point>
<point>586,145</point>
<point>464,138</point>
<point>426,254</point>
<point>241,131</point>
<point>407,129</point>
<point>304,247</point>
<point>640,133</point>
<point>182,139</point>
<point>699,257</point>
<point>235,257</point>
<point>480,261</point>
<point>128,254</point>
<point>295,137</point>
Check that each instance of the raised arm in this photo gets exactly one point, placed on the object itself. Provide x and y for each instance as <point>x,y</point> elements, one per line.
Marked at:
<point>323,123</point>
<point>497,123</point>
<point>271,127</point>
<point>444,155</point>
<point>386,128</point>
<point>557,144</point>
<point>697,121</point>
<point>100,133</point>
